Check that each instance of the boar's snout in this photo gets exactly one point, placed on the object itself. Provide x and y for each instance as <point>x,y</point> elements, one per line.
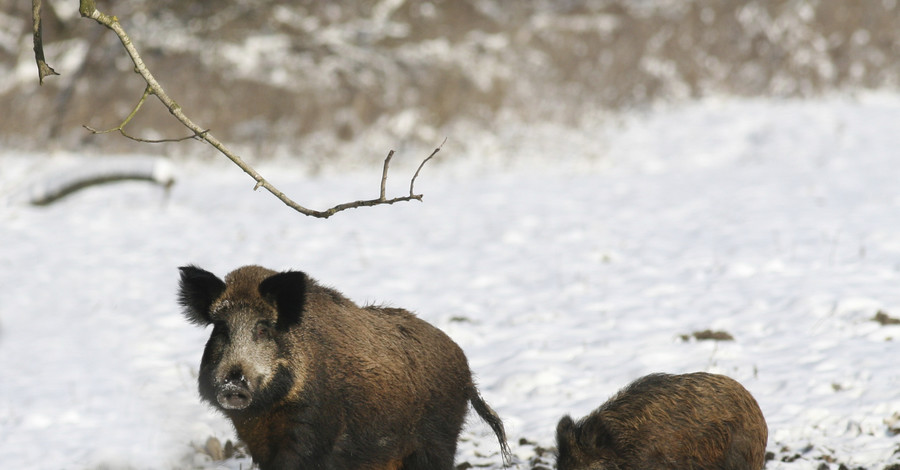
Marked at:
<point>234,392</point>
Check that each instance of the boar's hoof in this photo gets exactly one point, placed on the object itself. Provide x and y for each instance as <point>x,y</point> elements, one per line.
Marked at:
<point>234,396</point>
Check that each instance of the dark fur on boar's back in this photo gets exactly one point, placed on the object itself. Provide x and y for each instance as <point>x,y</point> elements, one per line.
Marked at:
<point>312,381</point>
<point>696,421</point>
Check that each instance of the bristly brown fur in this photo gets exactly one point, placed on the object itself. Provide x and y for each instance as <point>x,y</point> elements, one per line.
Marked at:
<point>696,421</point>
<point>323,383</point>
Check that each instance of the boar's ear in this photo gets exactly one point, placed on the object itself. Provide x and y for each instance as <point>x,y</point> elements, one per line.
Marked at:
<point>565,434</point>
<point>287,292</point>
<point>592,433</point>
<point>196,292</point>
<point>568,454</point>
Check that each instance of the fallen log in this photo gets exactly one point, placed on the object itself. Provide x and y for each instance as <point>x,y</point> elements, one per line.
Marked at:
<point>92,172</point>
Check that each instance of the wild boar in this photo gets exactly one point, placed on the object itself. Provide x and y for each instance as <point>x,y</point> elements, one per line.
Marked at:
<point>311,380</point>
<point>697,421</point>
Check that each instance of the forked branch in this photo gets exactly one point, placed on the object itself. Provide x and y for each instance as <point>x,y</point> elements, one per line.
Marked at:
<point>382,199</point>
<point>88,9</point>
<point>121,127</point>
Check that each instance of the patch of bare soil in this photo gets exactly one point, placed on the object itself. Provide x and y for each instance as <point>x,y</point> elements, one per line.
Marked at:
<point>826,461</point>
<point>706,335</point>
<point>885,319</point>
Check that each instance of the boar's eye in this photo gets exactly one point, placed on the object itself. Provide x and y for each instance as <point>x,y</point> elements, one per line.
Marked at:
<point>264,330</point>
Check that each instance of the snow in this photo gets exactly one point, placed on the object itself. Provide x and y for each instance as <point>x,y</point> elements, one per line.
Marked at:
<point>564,274</point>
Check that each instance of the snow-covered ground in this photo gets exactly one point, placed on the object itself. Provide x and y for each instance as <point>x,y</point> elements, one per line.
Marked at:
<point>565,273</point>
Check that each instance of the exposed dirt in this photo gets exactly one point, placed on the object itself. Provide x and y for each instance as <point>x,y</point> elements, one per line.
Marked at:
<point>885,319</point>
<point>708,335</point>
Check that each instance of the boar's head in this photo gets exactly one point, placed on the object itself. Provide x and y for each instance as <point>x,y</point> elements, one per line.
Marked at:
<point>583,446</point>
<point>245,365</point>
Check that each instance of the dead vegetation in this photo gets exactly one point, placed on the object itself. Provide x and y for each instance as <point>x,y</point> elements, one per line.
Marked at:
<point>705,335</point>
<point>308,75</point>
<point>884,319</point>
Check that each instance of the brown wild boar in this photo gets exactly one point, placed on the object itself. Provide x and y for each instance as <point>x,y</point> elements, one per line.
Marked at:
<point>311,380</point>
<point>696,421</point>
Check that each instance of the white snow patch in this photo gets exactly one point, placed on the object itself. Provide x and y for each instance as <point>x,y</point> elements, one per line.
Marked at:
<point>776,221</point>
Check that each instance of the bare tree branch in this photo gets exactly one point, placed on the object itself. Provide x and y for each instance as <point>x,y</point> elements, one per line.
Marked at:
<point>412,182</point>
<point>121,127</point>
<point>37,30</point>
<point>88,9</point>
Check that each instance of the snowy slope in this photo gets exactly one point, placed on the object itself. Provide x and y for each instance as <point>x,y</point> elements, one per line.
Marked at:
<point>564,275</point>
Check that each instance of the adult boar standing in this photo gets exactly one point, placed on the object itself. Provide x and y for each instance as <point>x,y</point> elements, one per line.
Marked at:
<point>311,380</point>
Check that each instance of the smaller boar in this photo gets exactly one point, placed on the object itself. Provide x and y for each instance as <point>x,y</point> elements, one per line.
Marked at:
<point>696,421</point>
<point>310,380</point>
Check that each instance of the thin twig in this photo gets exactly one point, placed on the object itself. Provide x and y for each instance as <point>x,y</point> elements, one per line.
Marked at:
<point>121,127</point>
<point>384,172</point>
<point>88,9</point>
<point>412,182</point>
<point>141,139</point>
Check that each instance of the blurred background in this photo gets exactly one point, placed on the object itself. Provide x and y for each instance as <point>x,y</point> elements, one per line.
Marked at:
<point>304,78</point>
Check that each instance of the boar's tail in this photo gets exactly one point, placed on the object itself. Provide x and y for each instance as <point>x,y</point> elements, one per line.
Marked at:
<point>493,420</point>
